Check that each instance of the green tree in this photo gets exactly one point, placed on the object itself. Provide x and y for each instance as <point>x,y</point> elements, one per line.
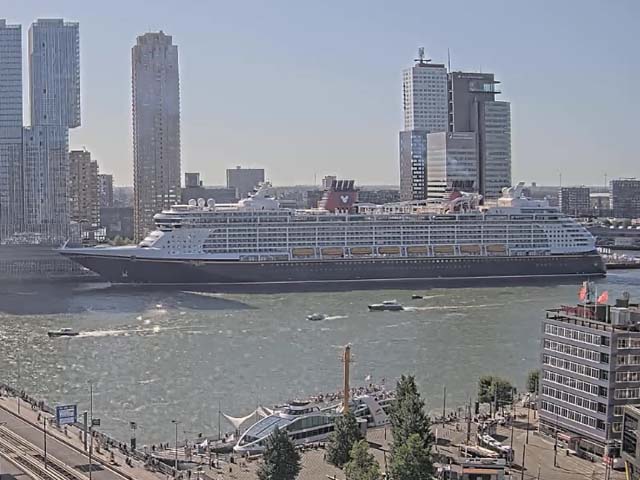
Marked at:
<point>407,414</point>
<point>341,441</point>
<point>363,465</point>
<point>492,388</point>
<point>533,378</point>
<point>281,460</point>
<point>411,460</point>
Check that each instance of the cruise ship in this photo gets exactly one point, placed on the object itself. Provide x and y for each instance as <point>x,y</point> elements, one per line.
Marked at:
<point>257,242</point>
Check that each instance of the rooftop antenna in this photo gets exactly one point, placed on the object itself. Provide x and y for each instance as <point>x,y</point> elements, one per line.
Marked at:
<point>421,60</point>
<point>449,60</point>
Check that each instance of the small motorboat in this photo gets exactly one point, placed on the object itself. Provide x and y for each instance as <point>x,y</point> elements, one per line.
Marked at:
<point>415,296</point>
<point>386,306</point>
<point>316,317</point>
<point>63,332</point>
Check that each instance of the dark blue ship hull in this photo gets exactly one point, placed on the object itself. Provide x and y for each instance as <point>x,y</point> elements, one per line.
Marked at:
<point>321,273</point>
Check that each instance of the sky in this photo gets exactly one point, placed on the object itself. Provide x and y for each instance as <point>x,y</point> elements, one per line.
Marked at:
<point>306,89</point>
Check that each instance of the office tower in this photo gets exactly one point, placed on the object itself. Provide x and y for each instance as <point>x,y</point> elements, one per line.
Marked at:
<point>452,163</point>
<point>46,174</point>
<point>424,92</point>
<point>625,197</point>
<point>156,128</point>
<point>244,180</point>
<point>83,188</point>
<point>54,72</point>
<point>10,129</point>
<point>192,179</point>
<point>413,164</point>
<point>590,371</point>
<point>194,190</point>
<point>105,190</point>
<point>473,108</point>
<point>575,201</point>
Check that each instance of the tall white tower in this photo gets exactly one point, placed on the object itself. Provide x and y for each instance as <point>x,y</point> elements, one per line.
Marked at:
<point>156,127</point>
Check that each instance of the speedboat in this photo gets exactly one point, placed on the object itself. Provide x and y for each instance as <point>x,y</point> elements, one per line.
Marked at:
<point>314,317</point>
<point>416,296</point>
<point>387,305</point>
<point>63,332</point>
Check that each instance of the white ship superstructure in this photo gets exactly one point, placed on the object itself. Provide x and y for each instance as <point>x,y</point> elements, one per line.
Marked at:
<point>343,235</point>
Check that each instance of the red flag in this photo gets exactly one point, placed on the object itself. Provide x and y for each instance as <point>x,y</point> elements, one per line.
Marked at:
<point>582,294</point>
<point>604,297</point>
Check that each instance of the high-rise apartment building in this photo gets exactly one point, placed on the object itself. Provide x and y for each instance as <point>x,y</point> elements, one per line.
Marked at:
<point>105,190</point>
<point>156,127</point>
<point>244,180</point>
<point>452,163</point>
<point>45,182</point>
<point>54,73</point>
<point>84,188</point>
<point>625,197</point>
<point>590,371</point>
<point>11,192</point>
<point>575,201</point>
<point>425,105</point>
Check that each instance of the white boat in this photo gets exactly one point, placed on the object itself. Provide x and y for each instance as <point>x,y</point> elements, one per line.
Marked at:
<point>315,317</point>
<point>308,423</point>
<point>387,306</point>
<point>63,332</point>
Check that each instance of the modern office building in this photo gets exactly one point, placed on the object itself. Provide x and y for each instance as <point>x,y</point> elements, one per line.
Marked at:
<point>54,73</point>
<point>630,442</point>
<point>452,163</point>
<point>84,190</point>
<point>473,108</point>
<point>156,127</point>
<point>413,164</point>
<point>494,140</point>
<point>590,371</point>
<point>45,183</point>
<point>195,190</point>
<point>244,180</point>
<point>11,192</point>
<point>105,190</point>
<point>425,106</point>
<point>575,201</point>
<point>625,197</point>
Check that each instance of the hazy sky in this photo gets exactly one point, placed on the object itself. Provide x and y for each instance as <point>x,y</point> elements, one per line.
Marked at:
<point>307,88</point>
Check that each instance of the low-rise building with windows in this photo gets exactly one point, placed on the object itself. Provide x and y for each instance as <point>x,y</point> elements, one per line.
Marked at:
<point>590,371</point>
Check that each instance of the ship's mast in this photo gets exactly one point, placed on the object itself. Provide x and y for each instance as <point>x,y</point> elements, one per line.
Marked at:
<point>346,360</point>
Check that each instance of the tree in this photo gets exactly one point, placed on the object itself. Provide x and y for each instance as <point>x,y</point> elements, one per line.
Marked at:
<point>341,441</point>
<point>363,465</point>
<point>407,414</point>
<point>533,379</point>
<point>281,460</point>
<point>411,460</point>
<point>492,388</point>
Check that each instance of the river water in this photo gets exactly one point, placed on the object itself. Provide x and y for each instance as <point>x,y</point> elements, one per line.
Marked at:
<point>158,355</point>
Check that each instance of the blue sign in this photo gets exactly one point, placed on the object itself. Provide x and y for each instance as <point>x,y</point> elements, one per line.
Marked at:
<point>66,414</point>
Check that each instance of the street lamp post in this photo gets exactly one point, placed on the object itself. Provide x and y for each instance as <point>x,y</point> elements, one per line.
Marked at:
<point>90,429</point>
<point>45,441</point>
<point>175,422</point>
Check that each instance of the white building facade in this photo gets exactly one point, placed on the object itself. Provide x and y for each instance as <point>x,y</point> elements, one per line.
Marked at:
<point>156,128</point>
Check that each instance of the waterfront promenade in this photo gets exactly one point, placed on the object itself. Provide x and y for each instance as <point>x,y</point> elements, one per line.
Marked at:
<point>67,449</point>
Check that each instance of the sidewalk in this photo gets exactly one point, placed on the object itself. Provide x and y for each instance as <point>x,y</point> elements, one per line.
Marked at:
<point>74,437</point>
